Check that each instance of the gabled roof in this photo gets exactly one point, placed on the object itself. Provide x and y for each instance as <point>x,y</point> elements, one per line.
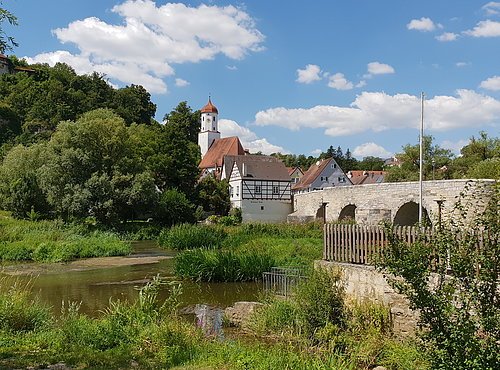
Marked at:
<point>258,167</point>
<point>312,174</point>
<point>291,170</point>
<point>219,148</point>
<point>366,177</point>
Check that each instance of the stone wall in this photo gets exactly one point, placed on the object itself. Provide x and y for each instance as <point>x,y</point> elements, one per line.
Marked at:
<point>381,202</point>
<point>365,283</point>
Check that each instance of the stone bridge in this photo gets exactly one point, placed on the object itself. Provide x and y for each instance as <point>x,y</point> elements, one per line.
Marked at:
<point>394,202</point>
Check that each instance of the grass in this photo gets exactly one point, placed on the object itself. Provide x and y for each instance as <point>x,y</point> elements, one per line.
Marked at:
<point>241,253</point>
<point>54,241</point>
<point>148,334</point>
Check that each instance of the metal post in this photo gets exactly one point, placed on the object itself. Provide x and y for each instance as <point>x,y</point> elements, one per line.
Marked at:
<point>421,177</point>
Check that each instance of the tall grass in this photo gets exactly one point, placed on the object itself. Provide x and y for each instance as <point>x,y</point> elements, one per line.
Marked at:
<point>187,236</point>
<point>222,265</point>
<point>54,241</point>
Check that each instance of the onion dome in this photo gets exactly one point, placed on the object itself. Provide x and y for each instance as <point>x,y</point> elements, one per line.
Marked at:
<point>209,108</point>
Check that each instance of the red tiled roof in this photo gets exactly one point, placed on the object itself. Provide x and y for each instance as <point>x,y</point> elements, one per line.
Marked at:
<point>311,174</point>
<point>209,108</point>
<point>219,148</point>
<point>366,177</point>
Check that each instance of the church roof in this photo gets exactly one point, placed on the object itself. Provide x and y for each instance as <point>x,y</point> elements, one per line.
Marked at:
<point>209,108</point>
<point>219,148</point>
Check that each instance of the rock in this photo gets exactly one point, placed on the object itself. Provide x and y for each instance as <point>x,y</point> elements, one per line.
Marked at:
<point>239,314</point>
<point>379,368</point>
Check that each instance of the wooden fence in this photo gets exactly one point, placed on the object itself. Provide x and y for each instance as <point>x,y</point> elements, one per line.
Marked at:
<point>360,243</point>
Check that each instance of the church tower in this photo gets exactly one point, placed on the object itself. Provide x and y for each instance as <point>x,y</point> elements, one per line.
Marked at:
<point>209,127</point>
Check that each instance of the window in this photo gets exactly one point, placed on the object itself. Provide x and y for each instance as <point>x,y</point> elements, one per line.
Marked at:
<point>261,208</point>
<point>258,189</point>
<point>341,179</point>
<point>231,191</point>
<point>334,165</point>
<point>237,190</point>
<point>276,189</point>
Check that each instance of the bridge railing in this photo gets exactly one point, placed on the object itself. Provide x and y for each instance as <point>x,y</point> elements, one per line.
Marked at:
<point>361,243</point>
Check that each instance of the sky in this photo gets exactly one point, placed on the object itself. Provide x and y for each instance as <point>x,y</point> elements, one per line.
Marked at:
<point>290,76</point>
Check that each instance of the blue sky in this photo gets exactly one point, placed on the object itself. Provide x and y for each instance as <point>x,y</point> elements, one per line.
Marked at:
<point>294,76</point>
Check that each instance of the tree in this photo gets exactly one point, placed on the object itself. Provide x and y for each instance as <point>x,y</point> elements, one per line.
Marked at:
<point>174,208</point>
<point>6,42</point>
<point>10,125</point>
<point>213,195</point>
<point>459,311</point>
<point>371,164</point>
<point>436,162</point>
<point>133,104</point>
<point>476,151</point>
<point>183,119</point>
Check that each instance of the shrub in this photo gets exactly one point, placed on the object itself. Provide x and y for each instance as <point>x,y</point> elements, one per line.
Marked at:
<point>321,300</point>
<point>221,265</point>
<point>187,236</point>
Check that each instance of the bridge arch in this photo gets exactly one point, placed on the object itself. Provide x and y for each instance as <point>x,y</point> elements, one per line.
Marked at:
<point>348,213</point>
<point>407,215</point>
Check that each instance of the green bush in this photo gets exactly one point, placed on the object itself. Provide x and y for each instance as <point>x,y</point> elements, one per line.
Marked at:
<point>221,265</point>
<point>187,236</point>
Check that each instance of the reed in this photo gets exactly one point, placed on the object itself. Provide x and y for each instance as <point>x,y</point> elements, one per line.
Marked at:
<point>187,236</point>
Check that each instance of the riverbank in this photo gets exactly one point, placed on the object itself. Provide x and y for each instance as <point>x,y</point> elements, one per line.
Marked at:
<point>55,241</point>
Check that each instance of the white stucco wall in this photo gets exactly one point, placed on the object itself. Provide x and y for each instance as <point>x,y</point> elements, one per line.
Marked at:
<point>264,210</point>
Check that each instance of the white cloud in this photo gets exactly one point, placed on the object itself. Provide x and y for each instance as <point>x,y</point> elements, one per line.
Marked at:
<point>423,24</point>
<point>377,68</point>
<point>371,149</point>
<point>248,138</point>
<point>179,82</point>
<point>316,152</point>
<point>492,8</point>
<point>447,36</point>
<point>485,28</point>
<point>151,38</point>
<point>378,111</point>
<point>492,83</point>
<point>232,68</point>
<point>454,146</point>
<point>339,82</point>
<point>462,64</point>
<point>361,83</point>
<point>309,74</point>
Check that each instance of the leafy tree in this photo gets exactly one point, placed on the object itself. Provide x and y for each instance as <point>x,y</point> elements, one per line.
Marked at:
<point>477,150</point>
<point>487,169</point>
<point>183,118</point>
<point>436,160</point>
<point>371,164</point>
<point>174,208</point>
<point>6,42</point>
<point>459,312</point>
<point>20,188</point>
<point>10,125</point>
<point>133,104</point>
<point>213,195</point>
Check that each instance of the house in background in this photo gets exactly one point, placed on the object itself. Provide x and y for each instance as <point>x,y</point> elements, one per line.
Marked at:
<point>325,173</point>
<point>295,174</point>
<point>366,177</point>
<point>260,186</point>
<point>6,66</point>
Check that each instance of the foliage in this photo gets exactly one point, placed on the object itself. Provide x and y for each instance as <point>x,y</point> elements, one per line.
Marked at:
<point>19,312</point>
<point>174,208</point>
<point>487,169</point>
<point>52,241</point>
<point>460,311</point>
<point>477,156</point>
<point>6,42</point>
<point>222,265</point>
<point>187,236</point>
<point>213,195</point>
<point>183,120</point>
<point>436,162</point>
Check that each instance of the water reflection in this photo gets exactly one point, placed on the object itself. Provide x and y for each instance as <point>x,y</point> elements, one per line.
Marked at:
<point>94,288</point>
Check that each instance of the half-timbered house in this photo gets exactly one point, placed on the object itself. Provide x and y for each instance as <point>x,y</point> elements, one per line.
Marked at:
<point>260,186</point>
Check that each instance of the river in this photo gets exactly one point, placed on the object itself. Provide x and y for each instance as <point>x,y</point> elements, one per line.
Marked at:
<point>94,282</point>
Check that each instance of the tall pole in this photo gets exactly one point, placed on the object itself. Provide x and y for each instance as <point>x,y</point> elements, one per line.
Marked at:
<point>421,162</point>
